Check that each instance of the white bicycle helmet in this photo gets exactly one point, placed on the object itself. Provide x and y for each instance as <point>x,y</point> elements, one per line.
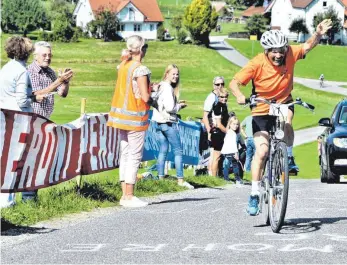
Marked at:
<point>273,39</point>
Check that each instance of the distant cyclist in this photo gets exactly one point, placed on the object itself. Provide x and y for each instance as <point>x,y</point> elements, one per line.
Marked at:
<point>321,80</point>
<point>272,75</point>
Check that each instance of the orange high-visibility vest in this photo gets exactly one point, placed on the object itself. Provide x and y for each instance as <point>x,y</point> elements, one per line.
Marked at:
<point>127,112</point>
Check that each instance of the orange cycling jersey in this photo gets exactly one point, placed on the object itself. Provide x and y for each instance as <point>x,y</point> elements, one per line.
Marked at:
<point>270,81</point>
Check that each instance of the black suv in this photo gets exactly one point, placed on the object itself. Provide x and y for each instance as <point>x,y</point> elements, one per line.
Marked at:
<point>333,162</point>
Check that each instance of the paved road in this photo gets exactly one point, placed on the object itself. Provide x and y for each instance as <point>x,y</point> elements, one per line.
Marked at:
<point>203,226</point>
<point>301,136</point>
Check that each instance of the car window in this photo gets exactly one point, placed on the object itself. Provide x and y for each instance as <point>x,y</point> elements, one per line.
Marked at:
<point>334,113</point>
<point>343,115</point>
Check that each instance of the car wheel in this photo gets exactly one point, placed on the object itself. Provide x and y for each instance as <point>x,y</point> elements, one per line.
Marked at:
<point>323,174</point>
<point>331,176</point>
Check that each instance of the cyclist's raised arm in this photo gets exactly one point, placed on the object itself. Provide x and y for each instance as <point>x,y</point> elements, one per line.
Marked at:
<point>235,89</point>
<point>321,29</point>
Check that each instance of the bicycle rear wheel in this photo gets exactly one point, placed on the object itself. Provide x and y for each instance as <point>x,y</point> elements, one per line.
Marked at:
<point>280,187</point>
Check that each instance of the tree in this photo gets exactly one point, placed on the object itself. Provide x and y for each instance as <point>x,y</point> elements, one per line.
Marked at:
<point>63,23</point>
<point>176,23</point>
<point>200,19</point>
<point>161,32</point>
<point>298,25</point>
<point>256,25</point>
<point>107,22</point>
<point>332,14</point>
<point>22,15</point>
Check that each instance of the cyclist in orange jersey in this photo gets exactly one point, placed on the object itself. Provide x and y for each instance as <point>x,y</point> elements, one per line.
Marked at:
<point>272,75</point>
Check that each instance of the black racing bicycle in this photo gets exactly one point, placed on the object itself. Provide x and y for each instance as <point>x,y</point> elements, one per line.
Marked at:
<point>275,179</point>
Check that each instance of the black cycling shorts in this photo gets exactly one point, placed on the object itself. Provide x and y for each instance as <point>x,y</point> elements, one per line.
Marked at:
<point>217,140</point>
<point>263,123</point>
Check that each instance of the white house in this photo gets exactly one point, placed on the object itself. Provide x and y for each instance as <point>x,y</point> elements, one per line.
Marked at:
<point>140,17</point>
<point>283,12</point>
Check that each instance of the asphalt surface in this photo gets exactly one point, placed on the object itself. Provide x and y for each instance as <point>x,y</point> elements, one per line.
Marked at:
<point>202,226</point>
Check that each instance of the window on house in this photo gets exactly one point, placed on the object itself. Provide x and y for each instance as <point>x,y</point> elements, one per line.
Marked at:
<point>151,27</point>
<point>137,27</point>
<point>325,4</point>
<point>121,27</point>
<point>131,14</point>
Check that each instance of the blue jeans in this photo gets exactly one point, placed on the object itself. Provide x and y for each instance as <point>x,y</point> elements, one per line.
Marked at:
<point>228,161</point>
<point>168,134</point>
<point>250,150</point>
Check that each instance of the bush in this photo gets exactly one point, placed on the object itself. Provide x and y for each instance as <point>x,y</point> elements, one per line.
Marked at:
<point>46,36</point>
<point>181,36</point>
<point>240,35</point>
<point>161,32</point>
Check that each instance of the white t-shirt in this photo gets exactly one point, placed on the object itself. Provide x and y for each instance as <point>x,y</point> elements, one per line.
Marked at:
<point>209,101</point>
<point>230,143</point>
<point>167,104</point>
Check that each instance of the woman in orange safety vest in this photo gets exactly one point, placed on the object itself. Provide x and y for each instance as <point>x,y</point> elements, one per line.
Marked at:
<point>129,114</point>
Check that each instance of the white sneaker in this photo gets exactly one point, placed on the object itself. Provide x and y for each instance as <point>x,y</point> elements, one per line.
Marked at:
<point>185,184</point>
<point>239,183</point>
<point>134,202</point>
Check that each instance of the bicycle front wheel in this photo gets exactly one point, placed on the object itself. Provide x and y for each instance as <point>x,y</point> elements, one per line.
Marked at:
<point>280,187</point>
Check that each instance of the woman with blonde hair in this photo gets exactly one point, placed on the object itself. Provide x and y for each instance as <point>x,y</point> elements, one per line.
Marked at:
<point>166,122</point>
<point>129,113</point>
<point>218,119</point>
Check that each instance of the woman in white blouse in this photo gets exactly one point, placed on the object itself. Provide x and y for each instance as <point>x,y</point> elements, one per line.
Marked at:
<point>165,117</point>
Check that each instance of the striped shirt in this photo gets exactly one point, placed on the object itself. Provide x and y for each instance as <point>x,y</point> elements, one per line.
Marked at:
<point>41,78</point>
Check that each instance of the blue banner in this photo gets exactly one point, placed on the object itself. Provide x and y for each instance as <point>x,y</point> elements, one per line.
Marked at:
<point>190,138</point>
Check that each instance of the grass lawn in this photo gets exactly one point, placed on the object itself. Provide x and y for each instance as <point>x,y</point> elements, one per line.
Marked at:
<point>94,63</point>
<point>329,60</point>
<point>228,27</point>
<point>306,157</point>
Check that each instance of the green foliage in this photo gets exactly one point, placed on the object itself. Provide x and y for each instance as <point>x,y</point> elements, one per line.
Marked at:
<point>332,14</point>
<point>46,36</point>
<point>176,22</point>
<point>107,23</point>
<point>200,19</point>
<point>298,25</point>
<point>256,25</point>
<point>160,32</point>
<point>22,15</point>
<point>181,36</point>
<point>62,27</point>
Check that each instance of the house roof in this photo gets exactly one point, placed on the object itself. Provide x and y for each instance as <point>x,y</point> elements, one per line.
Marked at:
<point>149,8</point>
<point>218,5</point>
<point>301,3</point>
<point>344,3</point>
<point>252,10</point>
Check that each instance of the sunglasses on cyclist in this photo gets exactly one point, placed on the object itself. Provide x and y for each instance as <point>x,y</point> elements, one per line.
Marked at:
<point>219,84</point>
<point>223,96</point>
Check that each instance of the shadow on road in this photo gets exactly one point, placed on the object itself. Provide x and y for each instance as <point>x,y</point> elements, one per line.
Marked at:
<point>221,48</point>
<point>9,229</point>
<point>307,225</point>
<point>184,200</point>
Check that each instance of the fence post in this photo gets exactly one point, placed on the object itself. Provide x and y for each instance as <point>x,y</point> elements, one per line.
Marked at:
<point>83,111</point>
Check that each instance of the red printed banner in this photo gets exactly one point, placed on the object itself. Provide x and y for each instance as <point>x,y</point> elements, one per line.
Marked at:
<point>37,153</point>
